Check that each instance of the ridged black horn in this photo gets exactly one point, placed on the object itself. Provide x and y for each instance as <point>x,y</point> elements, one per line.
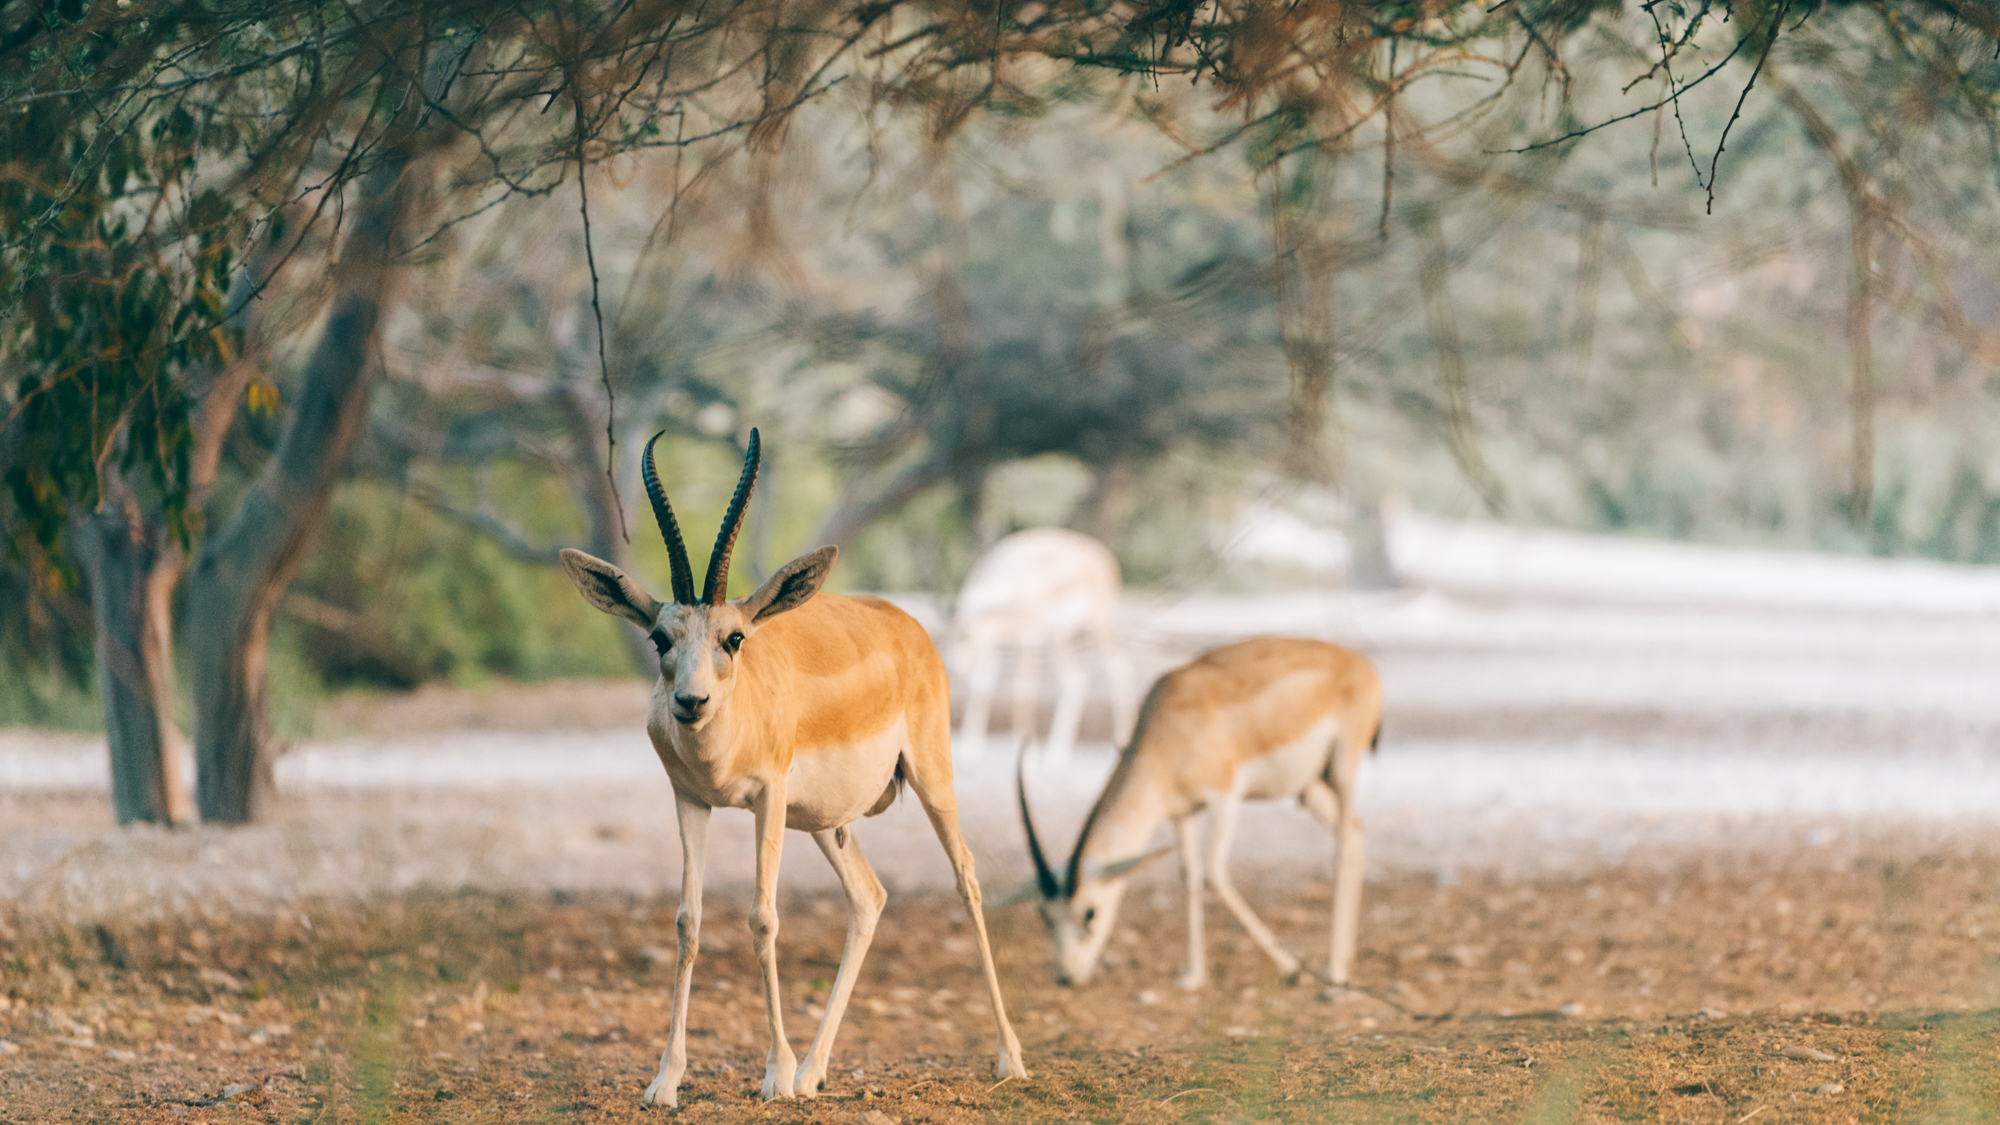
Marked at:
<point>1045,876</point>
<point>716,586</point>
<point>663,514</point>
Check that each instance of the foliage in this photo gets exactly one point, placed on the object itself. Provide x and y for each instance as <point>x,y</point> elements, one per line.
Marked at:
<point>111,313</point>
<point>155,146</point>
<point>394,595</point>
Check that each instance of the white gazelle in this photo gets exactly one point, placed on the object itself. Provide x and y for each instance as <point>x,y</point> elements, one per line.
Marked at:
<point>1043,589</point>
<point>811,712</point>
<point>1270,718</point>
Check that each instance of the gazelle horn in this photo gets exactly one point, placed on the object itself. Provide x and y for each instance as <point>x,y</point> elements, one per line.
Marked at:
<point>1045,877</point>
<point>715,587</point>
<point>663,514</point>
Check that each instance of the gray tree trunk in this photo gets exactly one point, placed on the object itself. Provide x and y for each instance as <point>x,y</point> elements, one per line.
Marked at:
<point>133,567</point>
<point>244,567</point>
<point>1371,567</point>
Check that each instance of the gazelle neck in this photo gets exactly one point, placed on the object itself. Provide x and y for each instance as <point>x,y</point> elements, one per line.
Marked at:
<point>1120,825</point>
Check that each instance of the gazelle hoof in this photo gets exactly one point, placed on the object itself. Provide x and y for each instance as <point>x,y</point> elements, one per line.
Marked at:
<point>807,1085</point>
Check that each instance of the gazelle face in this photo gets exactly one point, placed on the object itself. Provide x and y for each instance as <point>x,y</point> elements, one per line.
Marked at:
<point>699,639</point>
<point>1080,924</point>
<point>699,646</point>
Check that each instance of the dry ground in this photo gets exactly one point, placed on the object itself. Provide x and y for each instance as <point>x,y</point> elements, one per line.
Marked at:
<point>1705,860</point>
<point>1663,992</point>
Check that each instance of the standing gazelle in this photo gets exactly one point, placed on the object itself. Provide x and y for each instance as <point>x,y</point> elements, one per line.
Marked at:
<point>1046,588</point>
<point>1269,718</point>
<point>811,712</point>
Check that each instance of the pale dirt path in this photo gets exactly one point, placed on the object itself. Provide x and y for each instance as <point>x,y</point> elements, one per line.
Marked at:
<point>1526,733</point>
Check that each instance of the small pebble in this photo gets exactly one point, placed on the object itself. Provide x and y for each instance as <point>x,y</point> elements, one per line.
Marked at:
<point>7,1048</point>
<point>1148,996</point>
<point>876,1117</point>
<point>1712,1014</point>
<point>1829,1088</point>
<point>1805,1054</point>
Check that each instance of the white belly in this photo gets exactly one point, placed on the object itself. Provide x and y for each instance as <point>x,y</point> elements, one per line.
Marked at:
<point>835,785</point>
<point>1289,769</point>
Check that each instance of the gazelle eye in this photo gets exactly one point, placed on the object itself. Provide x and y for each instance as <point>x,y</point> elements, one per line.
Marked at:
<point>733,642</point>
<point>1089,916</point>
<point>661,641</point>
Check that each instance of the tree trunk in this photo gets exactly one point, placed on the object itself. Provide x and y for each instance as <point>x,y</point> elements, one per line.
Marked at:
<point>245,566</point>
<point>133,567</point>
<point>1306,270</point>
<point>1370,567</point>
<point>1860,298</point>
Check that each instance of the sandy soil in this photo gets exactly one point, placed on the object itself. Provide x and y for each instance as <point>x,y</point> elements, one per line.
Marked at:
<point>1638,992</point>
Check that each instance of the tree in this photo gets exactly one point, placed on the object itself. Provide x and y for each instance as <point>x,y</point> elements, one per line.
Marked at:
<point>157,143</point>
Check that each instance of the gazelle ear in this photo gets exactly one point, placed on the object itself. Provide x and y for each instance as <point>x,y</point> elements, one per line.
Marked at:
<point>1026,892</point>
<point>610,589</point>
<point>1127,866</point>
<point>792,587</point>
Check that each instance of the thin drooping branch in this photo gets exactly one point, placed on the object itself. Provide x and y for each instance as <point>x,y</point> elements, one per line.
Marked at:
<point>1433,276</point>
<point>1865,209</point>
<point>1860,342</point>
<point>1589,279</point>
<point>1770,40</point>
<point>597,311</point>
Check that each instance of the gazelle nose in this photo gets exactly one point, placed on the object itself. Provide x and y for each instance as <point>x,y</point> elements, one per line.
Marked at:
<point>689,702</point>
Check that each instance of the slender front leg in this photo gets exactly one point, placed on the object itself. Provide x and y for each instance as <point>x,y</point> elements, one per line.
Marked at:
<point>1346,894</point>
<point>693,817</point>
<point>985,678</point>
<point>780,1063</point>
<point>1071,686</point>
<point>1118,670</point>
<point>1338,815</point>
<point>1027,660</point>
<point>865,897</point>
<point>1224,838</point>
<point>1196,973</point>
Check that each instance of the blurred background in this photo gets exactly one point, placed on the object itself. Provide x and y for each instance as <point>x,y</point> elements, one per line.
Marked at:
<point>309,380</point>
<point>1620,378</point>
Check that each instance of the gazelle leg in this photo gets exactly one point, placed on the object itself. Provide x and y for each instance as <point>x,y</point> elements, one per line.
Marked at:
<point>780,1064</point>
<point>1071,685</point>
<point>984,677</point>
<point>1118,671</point>
<point>1196,973</point>
<point>941,805</point>
<point>1023,690</point>
<point>865,897</point>
<point>1222,838</point>
<point>693,817</point>
<point>1320,800</point>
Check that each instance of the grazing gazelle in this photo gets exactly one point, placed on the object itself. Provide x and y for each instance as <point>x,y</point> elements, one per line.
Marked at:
<point>1043,588</point>
<point>811,712</point>
<point>1264,719</point>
